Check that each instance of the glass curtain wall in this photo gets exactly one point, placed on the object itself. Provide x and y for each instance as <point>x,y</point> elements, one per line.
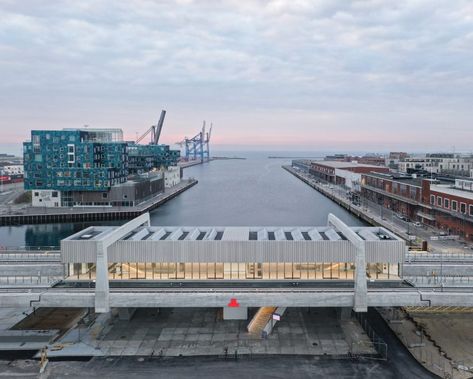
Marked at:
<point>234,271</point>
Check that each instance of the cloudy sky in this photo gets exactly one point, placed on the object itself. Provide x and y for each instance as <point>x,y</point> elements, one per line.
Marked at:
<point>283,74</point>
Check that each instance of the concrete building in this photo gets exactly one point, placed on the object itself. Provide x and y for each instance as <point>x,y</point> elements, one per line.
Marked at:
<point>137,251</point>
<point>172,176</point>
<point>342,173</point>
<point>393,159</point>
<point>440,163</point>
<point>12,170</point>
<point>136,265</point>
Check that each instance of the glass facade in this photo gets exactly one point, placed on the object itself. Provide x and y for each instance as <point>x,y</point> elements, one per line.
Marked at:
<point>233,271</point>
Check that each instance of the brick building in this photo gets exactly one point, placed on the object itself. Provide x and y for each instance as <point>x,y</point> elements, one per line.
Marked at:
<point>451,207</point>
<point>400,193</point>
<point>332,171</point>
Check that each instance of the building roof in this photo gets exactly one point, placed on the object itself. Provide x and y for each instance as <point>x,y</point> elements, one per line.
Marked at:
<point>342,165</point>
<point>216,233</point>
<point>405,179</point>
<point>449,190</point>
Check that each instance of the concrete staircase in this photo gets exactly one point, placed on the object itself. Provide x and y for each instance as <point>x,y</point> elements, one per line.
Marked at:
<point>260,320</point>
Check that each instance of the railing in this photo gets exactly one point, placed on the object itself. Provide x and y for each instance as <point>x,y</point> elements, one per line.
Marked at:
<point>440,281</point>
<point>6,248</point>
<point>29,280</point>
<point>438,257</point>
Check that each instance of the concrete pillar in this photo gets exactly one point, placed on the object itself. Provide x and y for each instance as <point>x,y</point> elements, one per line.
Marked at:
<point>102,290</point>
<point>125,314</point>
<point>360,301</point>
<point>361,284</point>
<point>343,313</point>
<point>235,313</point>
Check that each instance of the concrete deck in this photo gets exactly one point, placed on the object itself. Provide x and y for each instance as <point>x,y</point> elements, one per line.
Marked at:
<point>197,332</point>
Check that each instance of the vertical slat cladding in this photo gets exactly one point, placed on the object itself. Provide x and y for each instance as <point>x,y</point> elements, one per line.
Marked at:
<point>385,251</point>
<point>235,251</point>
<point>78,251</point>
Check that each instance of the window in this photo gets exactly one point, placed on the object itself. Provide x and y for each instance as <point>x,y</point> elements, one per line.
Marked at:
<point>432,199</point>
<point>439,201</point>
<point>471,209</point>
<point>463,208</point>
<point>446,203</point>
<point>54,194</point>
<point>454,205</point>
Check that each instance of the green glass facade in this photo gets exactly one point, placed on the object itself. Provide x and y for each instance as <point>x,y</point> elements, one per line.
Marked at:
<point>87,159</point>
<point>71,160</point>
<point>144,158</point>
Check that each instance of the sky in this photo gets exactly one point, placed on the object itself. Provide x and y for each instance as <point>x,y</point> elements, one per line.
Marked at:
<point>326,75</point>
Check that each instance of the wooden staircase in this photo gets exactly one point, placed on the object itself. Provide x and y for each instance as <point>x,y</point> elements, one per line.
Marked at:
<point>260,320</point>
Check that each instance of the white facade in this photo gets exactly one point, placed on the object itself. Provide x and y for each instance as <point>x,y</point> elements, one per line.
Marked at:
<point>436,165</point>
<point>46,198</point>
<point>172,176</point>
<point>352,179</point>
<point>427,164</point>
<point>13,169</point>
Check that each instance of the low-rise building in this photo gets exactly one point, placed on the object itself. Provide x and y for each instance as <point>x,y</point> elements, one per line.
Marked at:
<point>400,193</point>
<point>451,207</point>
<point>342,173</point>
<point>172,176</point>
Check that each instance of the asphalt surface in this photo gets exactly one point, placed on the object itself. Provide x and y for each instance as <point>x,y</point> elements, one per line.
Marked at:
<point>265,367</point>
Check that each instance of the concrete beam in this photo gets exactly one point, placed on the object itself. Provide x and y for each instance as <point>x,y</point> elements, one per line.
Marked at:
<point>360,301</point>
<point>240,313</point>
<point>257,298</point>
<point>126,314</point>
<point>102,287</point>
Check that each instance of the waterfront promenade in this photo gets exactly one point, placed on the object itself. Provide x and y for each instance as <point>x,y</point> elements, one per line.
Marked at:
<point>377,215</point>
<point>33,215</point>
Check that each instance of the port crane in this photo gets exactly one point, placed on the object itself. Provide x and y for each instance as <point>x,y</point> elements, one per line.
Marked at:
<point>198,147</point>
<point>154,130</point>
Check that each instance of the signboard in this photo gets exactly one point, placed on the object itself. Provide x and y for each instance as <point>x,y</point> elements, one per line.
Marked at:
<point>412,238</point>
<point>276,317</point>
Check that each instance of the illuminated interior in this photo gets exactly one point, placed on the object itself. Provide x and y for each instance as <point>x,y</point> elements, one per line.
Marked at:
<point>233,271</point>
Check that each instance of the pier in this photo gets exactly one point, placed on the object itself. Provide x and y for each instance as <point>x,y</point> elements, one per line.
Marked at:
<point>345,203</point>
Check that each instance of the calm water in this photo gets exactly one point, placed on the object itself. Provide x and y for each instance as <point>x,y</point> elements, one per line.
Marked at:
<point>255,191</point>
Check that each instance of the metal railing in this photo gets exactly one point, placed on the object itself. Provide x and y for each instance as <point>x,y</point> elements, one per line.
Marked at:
<point>7,248</point>
<point>29,280</point>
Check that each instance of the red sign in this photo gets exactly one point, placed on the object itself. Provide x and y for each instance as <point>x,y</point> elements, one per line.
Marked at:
<point>233,303</point>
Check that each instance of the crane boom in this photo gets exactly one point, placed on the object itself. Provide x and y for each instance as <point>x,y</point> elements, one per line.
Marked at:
<point>159,127</point>
<point>155,130</point>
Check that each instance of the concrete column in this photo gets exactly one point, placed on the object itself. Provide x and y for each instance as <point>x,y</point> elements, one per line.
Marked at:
<point>102,290</point>
<point>343,313</point>
<point>360,301</point>
<point>235,313</point>
<point>125,314</point>
<point>361,284</point>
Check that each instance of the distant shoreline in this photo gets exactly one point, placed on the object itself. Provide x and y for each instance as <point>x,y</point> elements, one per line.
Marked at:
<point>277,157</point>
<point>226,158</point>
